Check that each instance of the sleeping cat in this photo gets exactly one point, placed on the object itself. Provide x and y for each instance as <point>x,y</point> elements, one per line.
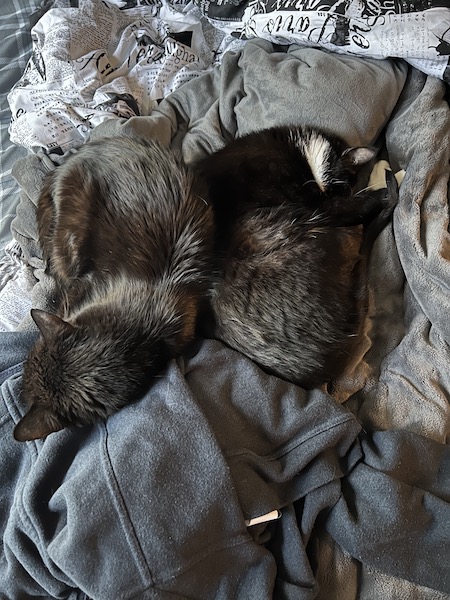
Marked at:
<point>127,236</point>
<point>293,239</point>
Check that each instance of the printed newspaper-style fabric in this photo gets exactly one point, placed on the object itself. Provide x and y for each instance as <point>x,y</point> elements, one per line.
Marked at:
<point>415,30</point>
<point>95,60</point>
<point>16,17</point>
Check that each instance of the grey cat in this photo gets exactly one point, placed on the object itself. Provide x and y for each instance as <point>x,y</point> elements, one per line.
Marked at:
<point>127,236</point>
<point>293,238</point>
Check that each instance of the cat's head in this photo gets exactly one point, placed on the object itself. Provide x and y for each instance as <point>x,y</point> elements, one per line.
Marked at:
<point>75,376</point>
<point>332,163</point>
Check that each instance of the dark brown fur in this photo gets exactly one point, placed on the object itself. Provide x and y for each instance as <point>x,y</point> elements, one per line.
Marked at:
<point>127,236</point>
<point>293,237</point>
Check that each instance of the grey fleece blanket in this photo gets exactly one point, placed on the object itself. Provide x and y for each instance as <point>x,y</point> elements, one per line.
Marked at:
<point>361,479</point>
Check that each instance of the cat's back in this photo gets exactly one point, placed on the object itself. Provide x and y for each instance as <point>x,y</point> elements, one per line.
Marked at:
<point>118,202</point>
<point>128,182</point>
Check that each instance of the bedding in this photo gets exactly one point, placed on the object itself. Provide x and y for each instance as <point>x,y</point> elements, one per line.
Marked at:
<point>417,30</point>
<point>14,54</point>
<point>17,17</point>
<point>92,62</point>
<point>358,480</point>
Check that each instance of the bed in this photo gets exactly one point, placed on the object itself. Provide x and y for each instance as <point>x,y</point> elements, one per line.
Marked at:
<point>223,481</point>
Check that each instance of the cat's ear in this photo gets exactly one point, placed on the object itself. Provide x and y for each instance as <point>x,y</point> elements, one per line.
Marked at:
<point>50,324</point>
<point>358,156</point>
<point>38,423</point>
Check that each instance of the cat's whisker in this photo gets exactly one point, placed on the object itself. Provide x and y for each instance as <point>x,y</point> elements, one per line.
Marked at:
<point>309,181</point>
<point>369,187</point>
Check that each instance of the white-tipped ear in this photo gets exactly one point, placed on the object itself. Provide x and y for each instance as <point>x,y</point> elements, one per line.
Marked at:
<point>50,324</point>
<point>359,156</point>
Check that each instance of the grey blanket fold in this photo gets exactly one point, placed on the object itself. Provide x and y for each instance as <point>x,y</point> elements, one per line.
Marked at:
<point>410,477</point>
<point>257,88</point>
<point>156,497</point>
<point>392,500</point>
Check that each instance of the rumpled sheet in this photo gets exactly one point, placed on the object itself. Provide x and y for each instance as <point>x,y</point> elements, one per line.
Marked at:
<point>361,479</point>
<point>94,61</point>
<point>16,18</point>
<point>417,31</point>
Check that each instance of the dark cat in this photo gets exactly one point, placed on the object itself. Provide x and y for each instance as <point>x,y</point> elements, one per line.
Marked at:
<point>127,237</point>
<point>293,237</point>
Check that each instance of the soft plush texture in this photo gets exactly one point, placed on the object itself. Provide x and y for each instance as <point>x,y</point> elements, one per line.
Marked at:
<point>157,496</point>
<point>153,502</point>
